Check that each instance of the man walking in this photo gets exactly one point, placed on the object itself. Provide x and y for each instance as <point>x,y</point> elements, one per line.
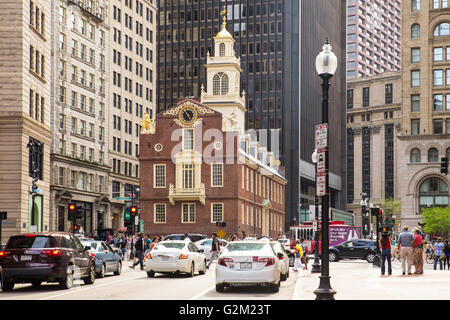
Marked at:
<point>139,249</point>
<point>214,249</point>
<point>406,243</point>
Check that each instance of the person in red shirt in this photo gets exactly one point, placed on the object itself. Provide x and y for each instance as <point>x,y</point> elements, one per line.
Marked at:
<point>418,252</point>
<point>385,246</point>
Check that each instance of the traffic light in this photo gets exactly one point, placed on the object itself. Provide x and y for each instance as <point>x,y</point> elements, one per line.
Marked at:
<point>376,212</point>
<point>444,165</point>
<point>75,228</point>
<point>72,209</point>
<point>221,224</point>
<point>133,210</point>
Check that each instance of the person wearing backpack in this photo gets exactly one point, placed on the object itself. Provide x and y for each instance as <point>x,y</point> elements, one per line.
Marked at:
<point>298,253</point>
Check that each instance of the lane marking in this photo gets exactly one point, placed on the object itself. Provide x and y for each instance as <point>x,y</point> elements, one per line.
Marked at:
<point>202,293</point>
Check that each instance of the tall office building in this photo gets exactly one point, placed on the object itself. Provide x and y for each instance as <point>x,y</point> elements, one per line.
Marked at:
<point>373,37</point>
<point>25,115</point>
<point>278,42</point>
<point>425,135</point>
<point>132,87</point>
<point>79,154</point>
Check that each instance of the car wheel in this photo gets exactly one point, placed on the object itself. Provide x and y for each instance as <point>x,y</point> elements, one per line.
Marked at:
<point>67,282</point>
<point>370,257</point>
<point>220,288</point>
<point>203,271</point>
<point>275,287</point>
<point>192,273</point>
<point>90,279</point>
<point>283,277</point>
<point>333,257</point>
<point>102,272</point>
<point>36,283</point>
<point>150,274</point>
<point>119,269</point>
<point>7,285</point>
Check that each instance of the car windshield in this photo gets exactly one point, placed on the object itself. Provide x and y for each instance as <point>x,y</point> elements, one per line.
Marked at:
<point>93,245</point>
<point>245,246</point>
<point>169,246</point>
<point>31,242</point>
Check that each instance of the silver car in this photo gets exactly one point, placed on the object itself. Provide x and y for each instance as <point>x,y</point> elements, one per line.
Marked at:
<point>206,246</point>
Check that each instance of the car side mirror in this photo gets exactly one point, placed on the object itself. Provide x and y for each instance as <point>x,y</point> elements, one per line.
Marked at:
<point>201,250</point>
<point>87,248</point>
<point>279,255</point>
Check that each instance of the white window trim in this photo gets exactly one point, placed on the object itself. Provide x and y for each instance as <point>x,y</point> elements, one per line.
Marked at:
<point>154,213</point>
<point>212,176</point>
<point>195,211</point>
<point>212,212</point>
<point>154,176</point>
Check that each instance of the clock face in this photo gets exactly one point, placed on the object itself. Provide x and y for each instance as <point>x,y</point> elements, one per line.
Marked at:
<point>188,115</point>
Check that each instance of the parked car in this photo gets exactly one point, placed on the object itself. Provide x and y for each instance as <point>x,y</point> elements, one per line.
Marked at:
<point>193,236</point>
<point>286,243</point>
<point>353,249</point>
<point>248,263</point>
<point>283,259</point>
<point>106,260</point>
<point>45,257</point>
<point>206,246</point>
<point>175,256</point>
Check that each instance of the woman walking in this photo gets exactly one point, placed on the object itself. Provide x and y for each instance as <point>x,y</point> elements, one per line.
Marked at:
<point>385,246</point>
<point>418,252</point>
<point>438,251</point>
<point>447,255</point>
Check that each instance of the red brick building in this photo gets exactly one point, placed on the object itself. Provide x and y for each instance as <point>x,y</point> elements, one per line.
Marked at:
<point>198,166</point>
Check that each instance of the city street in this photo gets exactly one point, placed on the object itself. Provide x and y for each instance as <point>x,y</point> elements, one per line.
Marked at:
<point>353,280</point>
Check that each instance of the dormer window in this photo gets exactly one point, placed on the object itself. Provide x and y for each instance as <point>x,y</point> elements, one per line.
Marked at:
<point>220,84</point>
<point>222,50</point>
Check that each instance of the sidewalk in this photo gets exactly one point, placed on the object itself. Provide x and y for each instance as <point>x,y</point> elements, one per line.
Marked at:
<point>359,280</point>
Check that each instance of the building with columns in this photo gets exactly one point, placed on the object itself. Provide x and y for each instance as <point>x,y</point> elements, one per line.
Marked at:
<point>199,166</point>
<point>425,132</point>
<point>373,125</point>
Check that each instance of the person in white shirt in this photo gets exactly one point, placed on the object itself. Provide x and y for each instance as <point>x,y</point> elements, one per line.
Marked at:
<point>186,238</point>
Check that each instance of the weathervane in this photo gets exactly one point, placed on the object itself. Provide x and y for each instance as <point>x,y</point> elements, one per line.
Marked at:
<point>224,13</point>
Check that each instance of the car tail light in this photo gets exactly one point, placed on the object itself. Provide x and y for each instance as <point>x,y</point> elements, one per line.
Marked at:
<point>4,253</point>
<point>269,261</point>
<point>281,257</point>
<point>52,253</point>
<point>94,256</point>
<point>183,256</point>
<point>223,261</point>
<point>148,256</point>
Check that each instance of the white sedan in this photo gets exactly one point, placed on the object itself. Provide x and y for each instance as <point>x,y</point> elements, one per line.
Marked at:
<point>175,256</point>
<point>248,263</point>
<point>206,245</point>
<point>283,259</point>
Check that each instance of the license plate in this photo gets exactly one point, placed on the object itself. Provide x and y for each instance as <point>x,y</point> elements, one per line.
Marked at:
<point>25,258</point>
<point>246,265</point>
<point>164,258</point>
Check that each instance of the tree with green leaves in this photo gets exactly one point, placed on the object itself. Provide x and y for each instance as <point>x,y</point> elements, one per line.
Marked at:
<point>437,221</point>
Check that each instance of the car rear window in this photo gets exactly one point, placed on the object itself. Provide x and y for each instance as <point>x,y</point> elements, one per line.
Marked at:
<point>169,246</point>
<point>245,246</point>
<point>23,242</point>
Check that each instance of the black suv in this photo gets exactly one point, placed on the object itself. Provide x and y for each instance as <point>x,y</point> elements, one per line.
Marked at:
<point>193,236</point>
<point>354,249</point>
<point>45,257</point>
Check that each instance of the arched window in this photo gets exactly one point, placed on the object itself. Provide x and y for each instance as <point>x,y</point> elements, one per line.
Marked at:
<point>433,155</point>
<point>222,49</point>
<point>220,84</point>
<point>415,156</point>
<point>433,192</point>
<point>442,30</point>
<point>415,31</point>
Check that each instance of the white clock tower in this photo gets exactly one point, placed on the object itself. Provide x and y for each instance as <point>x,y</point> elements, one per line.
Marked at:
<point>223,76</point>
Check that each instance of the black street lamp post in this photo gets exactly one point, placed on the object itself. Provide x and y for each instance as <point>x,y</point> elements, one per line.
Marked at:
<point>34,147</point>
<point>364,203</point>
<point>316,265</point>
<point>326,65</point>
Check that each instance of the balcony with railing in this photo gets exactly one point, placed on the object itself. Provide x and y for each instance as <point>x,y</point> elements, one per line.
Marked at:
<point>187,194</point>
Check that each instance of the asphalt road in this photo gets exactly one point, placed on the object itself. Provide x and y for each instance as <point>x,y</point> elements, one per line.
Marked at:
<point>135,285</point>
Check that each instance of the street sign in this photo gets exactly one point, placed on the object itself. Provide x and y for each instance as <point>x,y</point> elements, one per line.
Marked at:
<point>321,183</point>
<point>312,212</point>
<point>3,215</point>
<point>142,226</point>
<point>221,233</point>
<point>315,225</point>
<point>321,136</point>
<point>136,220</point>
<point>321,155</point>
<point>123,198</point>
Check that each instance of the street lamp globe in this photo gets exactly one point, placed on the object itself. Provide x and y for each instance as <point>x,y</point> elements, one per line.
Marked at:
<point>326,62</point>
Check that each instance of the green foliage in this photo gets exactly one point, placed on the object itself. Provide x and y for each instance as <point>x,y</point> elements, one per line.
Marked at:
<point>437,221</point>
<point>391,207</point>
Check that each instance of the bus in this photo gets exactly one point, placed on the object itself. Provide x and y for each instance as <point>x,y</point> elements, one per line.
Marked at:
<point>339,233</point>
